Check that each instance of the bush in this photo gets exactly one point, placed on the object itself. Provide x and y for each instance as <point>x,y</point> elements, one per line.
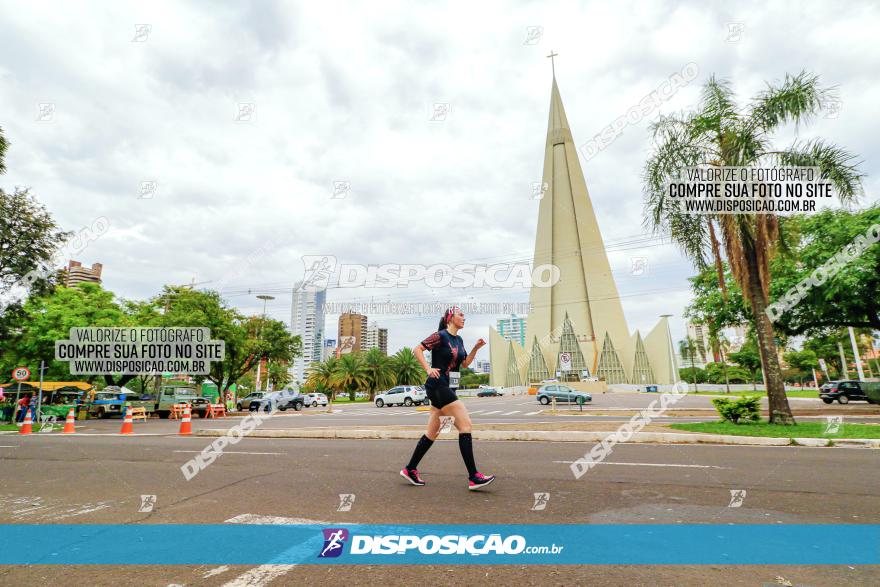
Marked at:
<point>745,408</point>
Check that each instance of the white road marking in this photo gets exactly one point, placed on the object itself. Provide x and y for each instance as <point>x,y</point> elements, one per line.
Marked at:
<point>259,576</point>
<point>652,465</point>
<point>237,452</point>
<point>216,571</point>
<point>264,574</point>
<point>493,412</point>
<point>511,413</point>
<point>476,411</point>
<point>277,520</point>
<point>533,413</point>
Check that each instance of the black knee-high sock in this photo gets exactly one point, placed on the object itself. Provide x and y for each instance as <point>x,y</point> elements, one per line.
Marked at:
<point>466,446</point>
<point>421,448</point>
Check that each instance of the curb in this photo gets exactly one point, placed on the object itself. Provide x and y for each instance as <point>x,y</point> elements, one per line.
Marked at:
<point>552,436</point>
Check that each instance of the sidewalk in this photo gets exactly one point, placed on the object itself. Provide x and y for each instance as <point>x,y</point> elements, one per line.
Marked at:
<point>569,433</point>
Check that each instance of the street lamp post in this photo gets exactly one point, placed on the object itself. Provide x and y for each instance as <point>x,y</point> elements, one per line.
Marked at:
<point>265,299</point>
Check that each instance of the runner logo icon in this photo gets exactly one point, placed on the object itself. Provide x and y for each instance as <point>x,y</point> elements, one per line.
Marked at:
<point>334,540</point>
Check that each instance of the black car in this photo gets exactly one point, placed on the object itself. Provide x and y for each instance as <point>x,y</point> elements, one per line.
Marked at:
<point>280,400</point>
<point>843,391</point>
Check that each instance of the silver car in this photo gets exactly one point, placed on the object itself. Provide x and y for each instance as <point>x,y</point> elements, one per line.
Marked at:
<point>244,403</point>
<point>315,399</point>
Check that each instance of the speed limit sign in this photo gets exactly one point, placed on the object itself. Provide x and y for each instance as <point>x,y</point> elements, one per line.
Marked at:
<point>21,373</point>
<point>565,361</point>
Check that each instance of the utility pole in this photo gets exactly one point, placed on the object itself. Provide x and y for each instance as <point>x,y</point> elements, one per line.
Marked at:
<point>265,299</point>
<point>855,347</point>
<point>842,361</point>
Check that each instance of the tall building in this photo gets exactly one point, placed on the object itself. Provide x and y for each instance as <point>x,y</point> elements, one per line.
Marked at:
<point>376,338</point>
<point>481,366</point>
<point>76,273</point>
<point>576,326</point>
<point>307,321</point>
<point>699,333</point>
<point>513,328</point>
<point>352,324</point>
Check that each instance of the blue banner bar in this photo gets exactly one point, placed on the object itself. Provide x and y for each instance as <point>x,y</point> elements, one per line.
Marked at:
<point>478,544</point>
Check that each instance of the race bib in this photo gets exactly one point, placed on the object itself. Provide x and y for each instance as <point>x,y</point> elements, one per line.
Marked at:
<point>454,377</point>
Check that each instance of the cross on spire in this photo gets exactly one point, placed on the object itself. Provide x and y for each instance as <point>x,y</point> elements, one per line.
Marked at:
<point>553,63</point>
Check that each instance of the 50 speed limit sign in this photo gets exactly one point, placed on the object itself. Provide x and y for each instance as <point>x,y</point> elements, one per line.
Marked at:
<point>21,373</point>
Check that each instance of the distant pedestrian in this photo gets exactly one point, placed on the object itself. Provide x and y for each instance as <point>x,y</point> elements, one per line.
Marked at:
<point>24,405</point>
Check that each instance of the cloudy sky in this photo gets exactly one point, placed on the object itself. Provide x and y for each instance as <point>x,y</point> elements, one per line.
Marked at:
<point>211,136</point>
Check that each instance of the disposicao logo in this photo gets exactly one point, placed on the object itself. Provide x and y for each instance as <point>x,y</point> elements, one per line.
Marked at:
<point>334,541</point>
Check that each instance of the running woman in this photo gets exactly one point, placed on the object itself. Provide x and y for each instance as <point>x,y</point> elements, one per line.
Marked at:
<point>448,355</point>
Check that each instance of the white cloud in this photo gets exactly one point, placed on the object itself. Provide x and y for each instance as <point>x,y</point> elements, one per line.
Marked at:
<point>343,92</point>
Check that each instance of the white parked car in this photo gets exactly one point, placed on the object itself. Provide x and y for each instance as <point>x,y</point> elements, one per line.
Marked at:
<point>315,399</point>
<point>402,395</point>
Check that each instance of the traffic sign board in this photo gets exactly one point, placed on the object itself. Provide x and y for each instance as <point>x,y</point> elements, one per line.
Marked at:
<point>565,361</point>
<point>21,373</point>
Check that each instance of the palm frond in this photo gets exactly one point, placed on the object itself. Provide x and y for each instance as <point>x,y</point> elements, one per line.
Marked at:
<point>835,164</point>
<point>797,99</point>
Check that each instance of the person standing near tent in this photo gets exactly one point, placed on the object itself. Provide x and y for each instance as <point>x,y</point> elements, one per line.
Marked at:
<point>24,404</point>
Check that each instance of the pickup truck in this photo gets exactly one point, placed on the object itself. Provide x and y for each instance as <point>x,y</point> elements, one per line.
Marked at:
<point>112,402</point>
<point>171,395</point>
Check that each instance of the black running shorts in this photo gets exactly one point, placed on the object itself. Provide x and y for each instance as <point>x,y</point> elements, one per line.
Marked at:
<point>440,395</point>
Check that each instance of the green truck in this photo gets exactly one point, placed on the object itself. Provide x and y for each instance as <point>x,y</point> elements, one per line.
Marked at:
<point>107,403</point>
<point>872,391</point>
<point>170,395</point>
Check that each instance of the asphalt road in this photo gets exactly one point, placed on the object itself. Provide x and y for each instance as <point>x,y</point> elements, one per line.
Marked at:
<point>524,409</point>
<point>99,479</point>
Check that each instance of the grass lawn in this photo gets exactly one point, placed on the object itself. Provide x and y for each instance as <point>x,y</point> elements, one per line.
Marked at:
<point>345,400</point>
<point>5,427</point>
<point>760,392</point>
<point>802,430</point>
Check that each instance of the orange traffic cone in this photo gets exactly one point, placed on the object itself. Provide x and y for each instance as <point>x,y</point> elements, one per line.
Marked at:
<point>27,427</point>
<point>185,423</point>
<point>69,427</point>
<point>127,424</point>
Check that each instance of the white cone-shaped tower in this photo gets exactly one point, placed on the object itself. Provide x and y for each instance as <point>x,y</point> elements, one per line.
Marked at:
<point>568,237</point>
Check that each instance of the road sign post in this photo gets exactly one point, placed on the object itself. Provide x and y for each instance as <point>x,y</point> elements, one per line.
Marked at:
<point>19,374</point>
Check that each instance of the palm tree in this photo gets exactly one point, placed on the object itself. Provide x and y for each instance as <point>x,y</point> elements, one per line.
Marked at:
<point>687,348</point>
<point>378,370</point>
<point>721,134</point>
<point>350,374</point>
<point>406,368</point>
<point>320,375</point>
<point>720,346</point>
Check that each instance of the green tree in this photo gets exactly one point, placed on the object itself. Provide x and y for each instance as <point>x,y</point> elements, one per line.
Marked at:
<point>350,374</point>
<point>378,370</point>
<point>748,358</point>
<point>688,348</point>
<point>3,146</point>
<point>847,298</point>
<point>247,339</point>
<point>802,362</point>
<point>279,375</point>
<point>50,317</point>
<point>406,368</point>
<point>320,376</point>
<point>720,133</point>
